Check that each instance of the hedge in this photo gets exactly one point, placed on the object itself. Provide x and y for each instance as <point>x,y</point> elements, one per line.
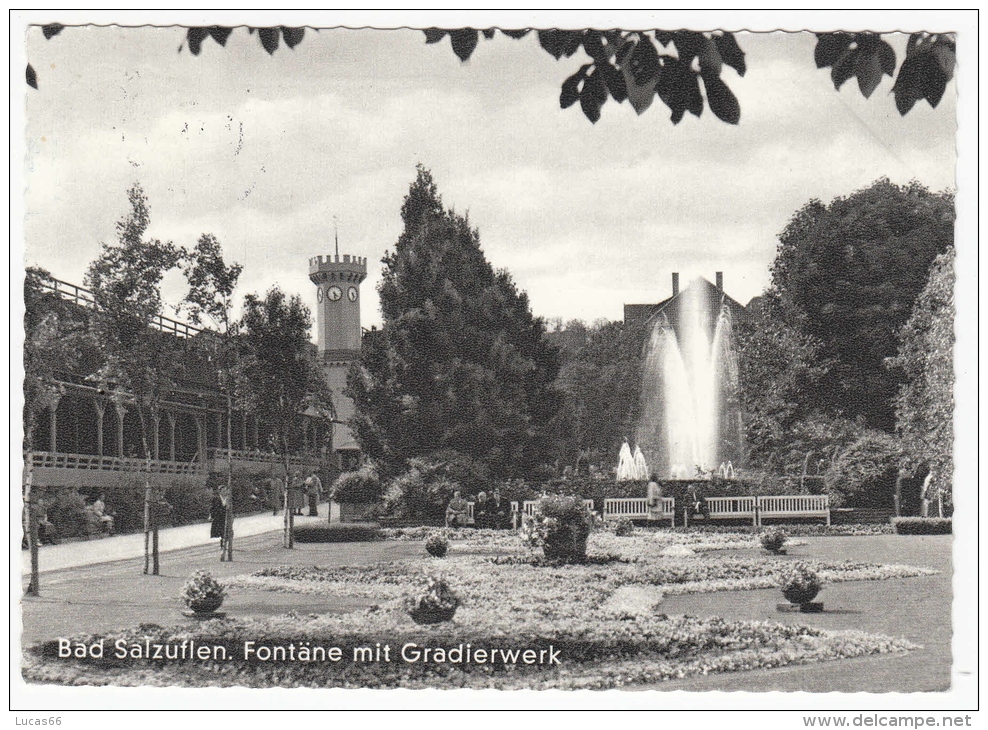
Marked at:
<point>337,533</point>
<point>922,525</point>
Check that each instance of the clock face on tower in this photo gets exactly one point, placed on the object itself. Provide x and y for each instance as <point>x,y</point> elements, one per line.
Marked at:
<point>351,293</point>
<point>334,293</point>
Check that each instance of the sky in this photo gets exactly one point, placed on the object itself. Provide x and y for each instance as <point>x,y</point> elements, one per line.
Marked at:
<point>275,154</point>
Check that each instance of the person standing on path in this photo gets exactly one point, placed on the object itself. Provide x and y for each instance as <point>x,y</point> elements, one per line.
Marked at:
<point>217,517</point>
<point>313,489</point>
<point>654,495</point>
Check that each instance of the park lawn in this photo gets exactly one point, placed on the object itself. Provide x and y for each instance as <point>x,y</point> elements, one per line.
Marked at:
<point>566,615</point>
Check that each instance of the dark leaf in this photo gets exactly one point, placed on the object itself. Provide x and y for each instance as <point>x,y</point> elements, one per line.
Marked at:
<point>644,62</point>
<point>710,60</point>
<point>52,30</point>
<point>551,43</point>
<point>614,80</point>
<point>571,41</point>
<point>195,37</point>
<point>594,46</point>
<point>869,72</point>
<point>915,39</point>
<point>830,47</point>
<point>464,41</point>
<point>664,37</point>
<point>844,68</point>
<point>595,87</point>
<point>886,57</point>
<point>516,34</point>
<point>624,48</point>
<point>722,101</point>
<point>591,106</point>
<point>689,44</point>
<point>292,36</point>
<point>32,78</point>
<point>731,52</point>
<point>946,57</point>
<point>219,33</point>
<point>434,35</point>
<point>909,85</point>
<point>571,88</point>
<point>691,89</point>
<point>674,87</point>
<point>935,81</point>
<point>488,33</point>
<point>269,39</point>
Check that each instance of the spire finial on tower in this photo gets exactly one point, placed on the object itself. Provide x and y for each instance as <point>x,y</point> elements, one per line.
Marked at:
<point>336,236</point>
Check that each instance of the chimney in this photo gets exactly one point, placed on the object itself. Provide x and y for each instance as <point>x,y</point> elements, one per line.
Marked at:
<point>720,281</point>
<point>675,283</point>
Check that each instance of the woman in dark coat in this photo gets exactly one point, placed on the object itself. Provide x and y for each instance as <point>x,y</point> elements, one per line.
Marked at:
<point>217,516</point>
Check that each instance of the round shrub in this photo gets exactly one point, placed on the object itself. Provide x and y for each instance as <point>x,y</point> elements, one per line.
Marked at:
<point>560,526</point>
<point>202,592</point>
<point>800,584</point>
<point>362,486</point>
<point>435,604</point>
<point>624,528</point>
<point>437,545</point>
<point>773,540</point>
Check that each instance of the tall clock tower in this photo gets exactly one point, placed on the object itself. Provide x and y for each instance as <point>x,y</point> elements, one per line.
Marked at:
<point>337,279</point>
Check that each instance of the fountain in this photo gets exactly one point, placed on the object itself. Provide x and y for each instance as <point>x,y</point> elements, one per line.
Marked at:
<point>690,422</point>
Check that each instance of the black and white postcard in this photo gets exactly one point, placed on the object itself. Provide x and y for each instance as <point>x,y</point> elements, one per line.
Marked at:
<point>625,357</point>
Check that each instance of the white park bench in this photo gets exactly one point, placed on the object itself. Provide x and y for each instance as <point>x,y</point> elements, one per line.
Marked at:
<point>731,508</point>
<point>636,508</point>
<point>801,505</point>
<point>528,508</point>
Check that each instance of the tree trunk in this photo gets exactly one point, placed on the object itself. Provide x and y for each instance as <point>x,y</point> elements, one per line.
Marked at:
<point>226,554</point>
<point>34,585</point>
<point>898,494</point>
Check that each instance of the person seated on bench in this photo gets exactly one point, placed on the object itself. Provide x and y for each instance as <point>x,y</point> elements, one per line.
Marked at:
<point>105,520</point>
<point>697,505</point>
<point>457,511</point>
<point>653,493</point>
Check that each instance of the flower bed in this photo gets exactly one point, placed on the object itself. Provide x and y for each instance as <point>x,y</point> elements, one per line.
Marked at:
<point>568,655</point>
<point>336,533</point>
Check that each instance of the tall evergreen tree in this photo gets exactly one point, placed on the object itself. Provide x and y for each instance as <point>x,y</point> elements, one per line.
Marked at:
<point>462,363</point>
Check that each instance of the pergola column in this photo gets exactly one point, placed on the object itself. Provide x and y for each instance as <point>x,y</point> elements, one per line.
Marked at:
<point>171,434</point>
<point>200,439</point>
<point>243,430</point>
<point>156,429</point>
<point>121,412</point>
<point>53,421</point>
<point>256,444</point>
<point>100,410</point>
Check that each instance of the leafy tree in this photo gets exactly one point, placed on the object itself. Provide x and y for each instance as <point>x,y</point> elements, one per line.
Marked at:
<point>210,296</point>
<point>601,377</point>
<point>53,342</point>
<point>924,406</point>
<point>779,367</point>
<point>139,370</point>
<point>461,362</point>
<point>278,374</point>
<point>639,65</point>
<point>847,274</point>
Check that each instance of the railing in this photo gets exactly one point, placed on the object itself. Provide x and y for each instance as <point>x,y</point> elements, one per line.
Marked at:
<point>54,460</point>
<point>802,505</point>
<point>262,457</point>
<point>84,297</point>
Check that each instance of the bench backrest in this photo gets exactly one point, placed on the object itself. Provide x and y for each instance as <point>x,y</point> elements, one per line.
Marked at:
<point>635,506</point>
<point>795,504</point>
<point>528,506</point>
<point>731,505</point>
